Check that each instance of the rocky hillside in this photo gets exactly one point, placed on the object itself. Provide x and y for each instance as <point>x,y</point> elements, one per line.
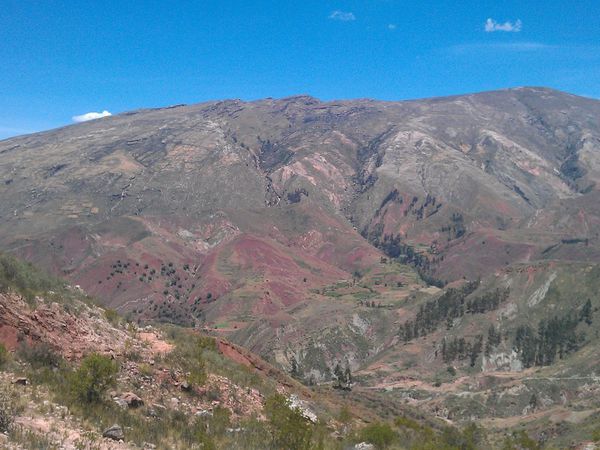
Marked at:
<point>74,375</point>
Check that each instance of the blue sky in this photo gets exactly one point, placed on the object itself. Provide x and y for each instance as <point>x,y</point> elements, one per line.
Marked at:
<point>60,59</point>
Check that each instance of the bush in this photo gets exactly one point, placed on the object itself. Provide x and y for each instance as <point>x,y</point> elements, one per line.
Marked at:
<point>520,441</point>
<point>112,316</point>
<point>25,279</point>
<point>93,378</point>
<point>189,354</point>
<point>7,408</point>
<point>3,355</point>
<point>220,420</point>
<point>288,428</point>
<point>38,355</point>
<point>380,435</point>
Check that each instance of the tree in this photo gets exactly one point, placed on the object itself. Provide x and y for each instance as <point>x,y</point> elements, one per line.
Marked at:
<point>348,375</point>
<point>339,375</point>
<point>475,349</point>
<point>93,378</point>
<point>294,372</point>
<point>533,401</point>
<point>493,340</point>
<point>586,312</point>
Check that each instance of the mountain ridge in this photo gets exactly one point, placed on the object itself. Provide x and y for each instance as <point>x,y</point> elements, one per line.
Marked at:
<point>312,98</point>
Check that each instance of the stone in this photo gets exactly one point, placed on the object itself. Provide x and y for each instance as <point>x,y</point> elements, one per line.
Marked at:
<point>132,400</point>
<point>115,433</point>
<point>120,402</point>
<point>185,386</point>
<point>364,446</point>
<point>204,413</point>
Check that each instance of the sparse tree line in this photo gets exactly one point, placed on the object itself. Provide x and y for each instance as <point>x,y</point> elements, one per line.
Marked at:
<point>461,348</point>
<point>457,228</point>
<point>554,337</point>
<point>393,247</point>
<point>449,306</point>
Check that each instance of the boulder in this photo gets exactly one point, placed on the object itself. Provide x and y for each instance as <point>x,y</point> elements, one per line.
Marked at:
<point>115,433</point>
<point>131,400</point>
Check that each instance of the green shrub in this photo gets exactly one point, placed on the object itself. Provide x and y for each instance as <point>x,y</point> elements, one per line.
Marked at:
<point>472,437</point>
<point>8,409</point>
<point>520,441</point>
<point>220,420</point>
<point>30,439</point>
<point>288,428</point>
<point>197,376</point>
<point>93,378</point>
<point>189,354</point>
<point>4,355</point>
<point>25,279</point>
<point>38,355</point>
<point>112,316</point>
<point>381,435</point>
<point>197,435</point>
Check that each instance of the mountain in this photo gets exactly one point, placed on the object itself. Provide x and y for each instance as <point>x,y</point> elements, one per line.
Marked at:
<point>316,233</point>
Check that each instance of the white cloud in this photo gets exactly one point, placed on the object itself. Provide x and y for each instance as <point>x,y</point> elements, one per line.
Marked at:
<point>91,116</point>
<point>491,25</point>
<point>342,16</point>
<point>392,26</point>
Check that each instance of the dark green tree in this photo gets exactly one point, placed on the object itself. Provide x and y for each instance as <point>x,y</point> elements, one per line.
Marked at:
<point>586,312</point>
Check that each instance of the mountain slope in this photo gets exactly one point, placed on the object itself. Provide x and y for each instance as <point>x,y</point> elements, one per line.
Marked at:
<point>269,217</point>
